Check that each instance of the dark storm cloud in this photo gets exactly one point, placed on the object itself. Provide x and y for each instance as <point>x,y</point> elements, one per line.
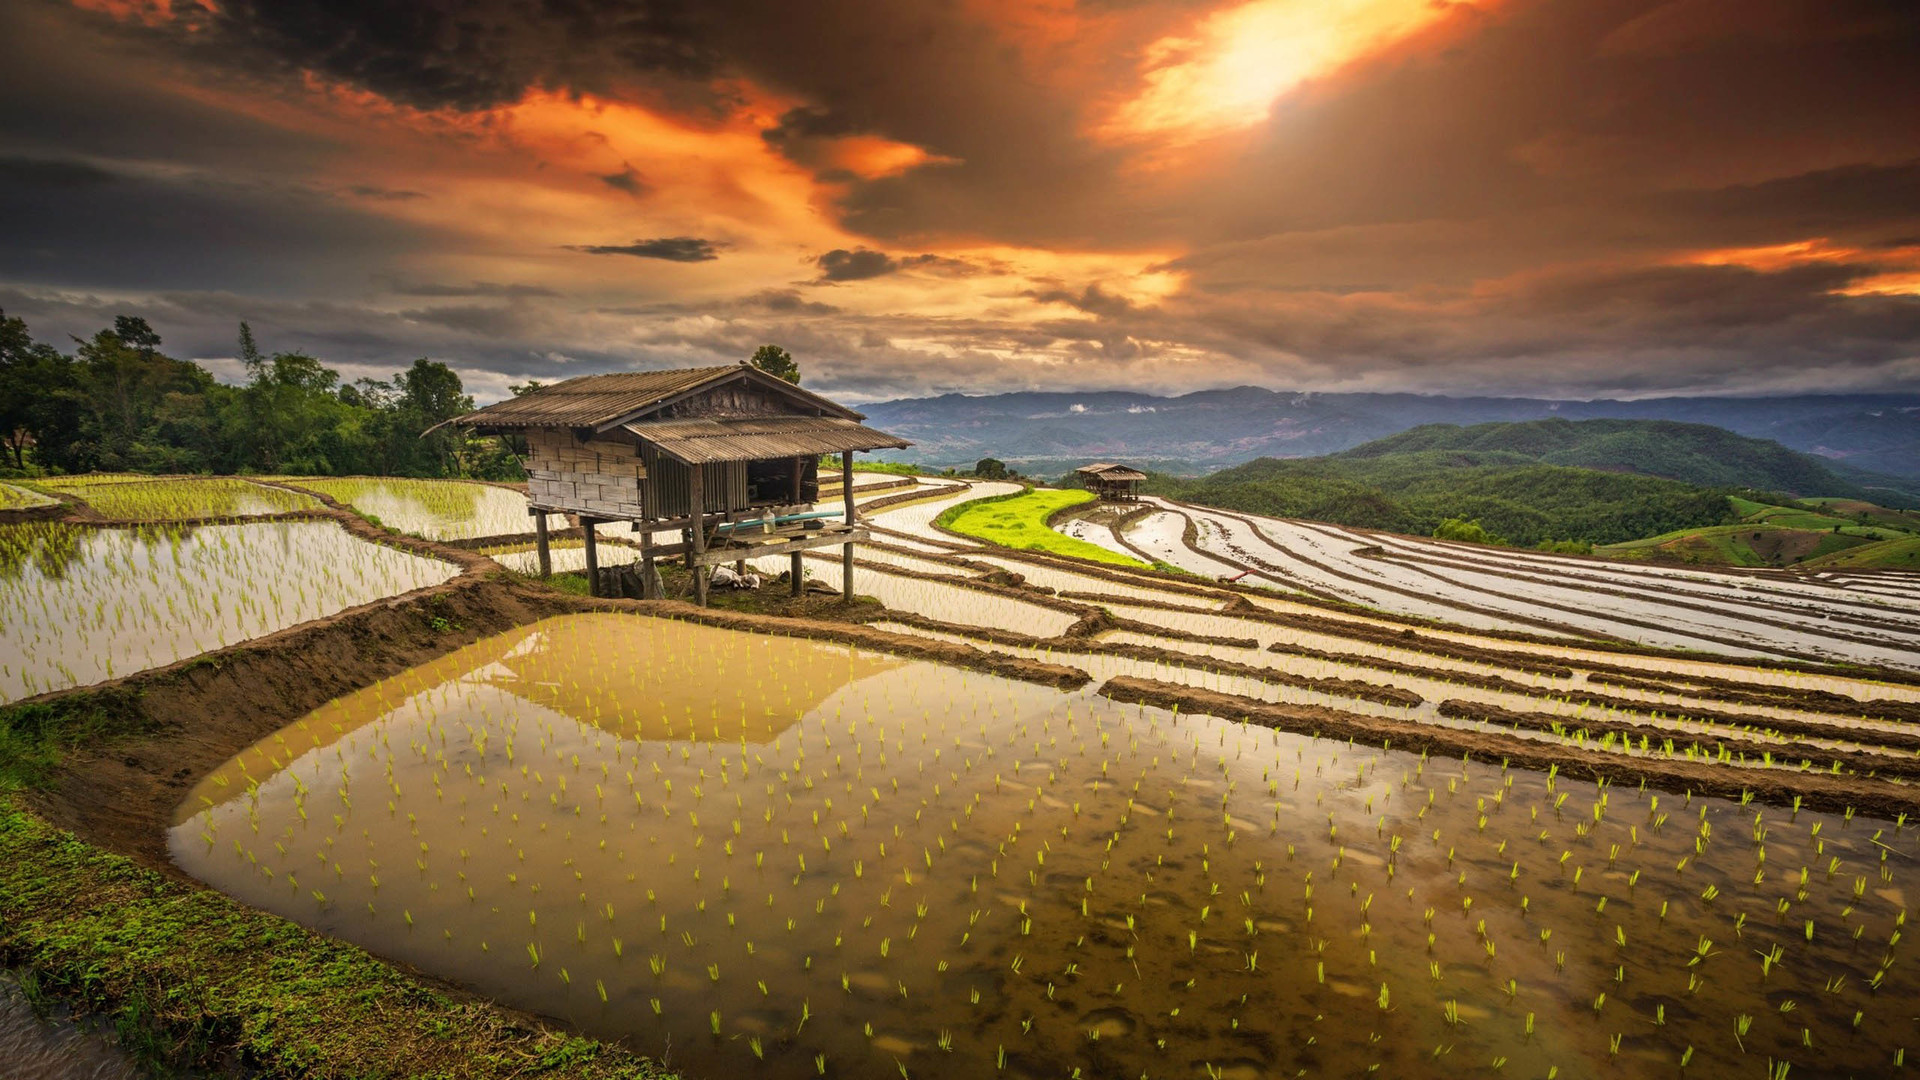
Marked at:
<point>856,265</point>
<point>860,264</point>
<point>809,122</point>
<point>1850,197</point>
<point>1093,300</point>
<point>671,248</point>
<point>25,172</point>
<point>1509,213</point>
<point>476,288</point>
<point>385,194</point>
<point>462,55</point>
<point>62,224</point>
<point>788,301</point>
<point>627,180</point>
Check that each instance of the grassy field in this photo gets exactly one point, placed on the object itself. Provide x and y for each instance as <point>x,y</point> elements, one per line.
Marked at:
<point>1020,521</point>
<point>1814,532</point>
<point>1899,554</point>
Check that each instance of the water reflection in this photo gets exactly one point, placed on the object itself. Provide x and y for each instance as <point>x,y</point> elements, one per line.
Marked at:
<point>789,858</point>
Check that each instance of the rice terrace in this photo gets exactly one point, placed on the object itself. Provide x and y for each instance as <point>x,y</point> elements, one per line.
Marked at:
<point>903,540</point>
<point>1176,792</point>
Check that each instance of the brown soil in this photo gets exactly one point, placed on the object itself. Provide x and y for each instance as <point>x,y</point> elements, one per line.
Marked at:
<point>1861,762</point>
<point>1819,791</point>
<point>1822,701</point>
<point>1479,679</point>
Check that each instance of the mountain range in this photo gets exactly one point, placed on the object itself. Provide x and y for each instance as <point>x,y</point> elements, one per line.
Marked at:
<point>1864,437</point>
<point>1578,482</point>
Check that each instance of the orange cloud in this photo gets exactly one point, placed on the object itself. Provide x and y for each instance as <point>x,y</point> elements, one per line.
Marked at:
<point>1896,269</point>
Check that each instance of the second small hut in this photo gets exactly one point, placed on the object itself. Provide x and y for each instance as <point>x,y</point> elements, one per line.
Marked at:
<point>1115,483</point>
<point>726,457</point>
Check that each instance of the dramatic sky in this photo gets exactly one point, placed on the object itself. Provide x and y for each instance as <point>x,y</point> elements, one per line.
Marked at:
<point>1567,197</point>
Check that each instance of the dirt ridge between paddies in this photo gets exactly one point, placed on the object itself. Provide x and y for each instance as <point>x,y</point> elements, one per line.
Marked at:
<point>1777,787</point>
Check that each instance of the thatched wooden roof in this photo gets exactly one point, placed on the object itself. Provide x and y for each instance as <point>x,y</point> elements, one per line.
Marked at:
<point>704,441</point>
<point>604,402</point>
<point>1107,470</point>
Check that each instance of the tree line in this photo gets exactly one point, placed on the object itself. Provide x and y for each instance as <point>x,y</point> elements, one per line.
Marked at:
<point>119,403</point>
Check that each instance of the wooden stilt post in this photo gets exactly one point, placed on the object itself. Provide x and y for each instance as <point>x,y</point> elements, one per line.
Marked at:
<point>799,479</point>
<point>697,500</point>
<point>846,550</point>
<point>540,543</point>
<point>647,572</point>
<point>593,557</point>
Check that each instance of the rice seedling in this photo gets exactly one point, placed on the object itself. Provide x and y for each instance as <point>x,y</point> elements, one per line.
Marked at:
<point>84,604</point>
<point>435,509</point>
<point>995,875</point>
<point>181,498</point>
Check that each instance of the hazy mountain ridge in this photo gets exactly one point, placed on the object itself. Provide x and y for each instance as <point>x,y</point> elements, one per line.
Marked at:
<point>1210,429</point>
<point>1549,481</point>
<point>1692,453</point>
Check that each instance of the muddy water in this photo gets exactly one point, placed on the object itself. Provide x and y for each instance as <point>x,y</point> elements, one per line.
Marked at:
<point>783,857</point>
<point>79,605</point>
<point>934,599</point>
<point>48,1048</point>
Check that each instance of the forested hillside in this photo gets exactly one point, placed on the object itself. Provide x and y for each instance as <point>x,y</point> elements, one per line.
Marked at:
<point>1694,453</point>
<point>1589,482</point>
<point>1416,492</point>
<point>119,403</point>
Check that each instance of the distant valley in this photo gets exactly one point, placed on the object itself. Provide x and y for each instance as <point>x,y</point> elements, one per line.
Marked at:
<point>1639,489</point>
<point>1048,433</point>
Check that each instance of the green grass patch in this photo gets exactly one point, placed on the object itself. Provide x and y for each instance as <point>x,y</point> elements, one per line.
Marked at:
<point>1019,521</point>
<point>35,736</point>
<point>202,975</point>
<point>178,498</point>
<point>1900,554</point>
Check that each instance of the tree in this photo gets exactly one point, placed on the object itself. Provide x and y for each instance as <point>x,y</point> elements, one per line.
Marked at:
<point>250,353</point>
<point>23,381</point>
<point>430,392</point>
<point>990,469</point>
<point>134,332</point>
<point>776,362</point>
<point>1471,532</point>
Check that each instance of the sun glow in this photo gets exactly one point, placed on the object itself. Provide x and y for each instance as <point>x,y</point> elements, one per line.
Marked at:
<point>1229,71</point>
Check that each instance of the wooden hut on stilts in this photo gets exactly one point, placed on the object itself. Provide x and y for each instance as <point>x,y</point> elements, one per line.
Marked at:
<point>1115,483</point>
<point>727,458</point>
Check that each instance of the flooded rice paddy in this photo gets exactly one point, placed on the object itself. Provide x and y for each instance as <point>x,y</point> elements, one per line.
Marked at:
<point>85,604</point>
<point>435,509</point>
<point>1751,614</point>
<point>179,498</point>
<point>772,856</point>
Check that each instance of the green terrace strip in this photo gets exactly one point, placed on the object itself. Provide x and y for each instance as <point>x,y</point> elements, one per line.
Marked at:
<point>179,499</point>
<point>215,976</point>
<point>1019,520</point>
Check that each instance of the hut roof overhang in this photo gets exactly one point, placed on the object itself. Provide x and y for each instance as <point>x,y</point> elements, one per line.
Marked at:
<point>1110,471</point>
<point>705,442</point>
<point>605,402</point>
